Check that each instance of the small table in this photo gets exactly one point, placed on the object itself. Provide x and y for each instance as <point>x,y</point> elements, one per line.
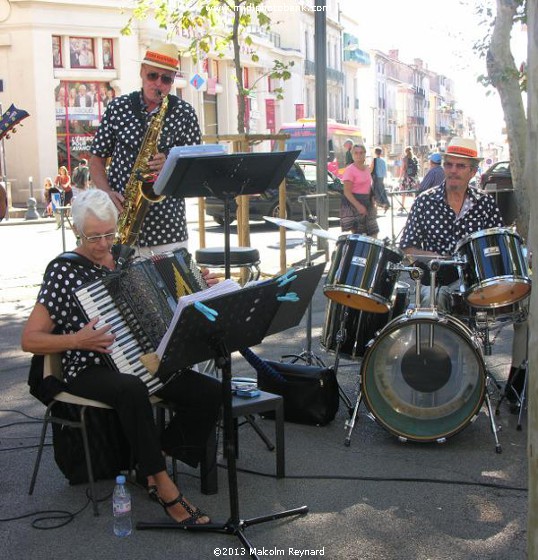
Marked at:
<point>265,402</point>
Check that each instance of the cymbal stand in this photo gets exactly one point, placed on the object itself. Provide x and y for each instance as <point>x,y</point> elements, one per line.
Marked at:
<point>307,355</point>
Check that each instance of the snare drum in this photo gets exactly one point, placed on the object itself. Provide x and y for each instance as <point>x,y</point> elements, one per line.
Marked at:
<point>359,326</point>
<point>496,271</point>
<point>424,377</point>
<point>360,275</point>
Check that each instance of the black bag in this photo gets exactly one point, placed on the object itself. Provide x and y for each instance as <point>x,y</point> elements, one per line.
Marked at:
<point>310,392</point>
<point>109,449</point>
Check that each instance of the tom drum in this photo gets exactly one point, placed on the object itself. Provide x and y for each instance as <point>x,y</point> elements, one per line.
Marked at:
<point>360,275</point>
<point>496,272</point>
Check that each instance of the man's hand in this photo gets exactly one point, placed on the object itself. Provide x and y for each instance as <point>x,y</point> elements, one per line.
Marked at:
<point>156,162</point>
<point>117,198</point>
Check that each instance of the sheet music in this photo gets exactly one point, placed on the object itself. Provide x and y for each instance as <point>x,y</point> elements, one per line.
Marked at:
<point>184,151</point>
<point>224,287</point>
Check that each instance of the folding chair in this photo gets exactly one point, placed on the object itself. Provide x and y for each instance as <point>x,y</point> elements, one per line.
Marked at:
<point>53,366</point>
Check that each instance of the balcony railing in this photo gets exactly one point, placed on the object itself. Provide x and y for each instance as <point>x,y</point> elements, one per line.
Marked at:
<point>332,74</point>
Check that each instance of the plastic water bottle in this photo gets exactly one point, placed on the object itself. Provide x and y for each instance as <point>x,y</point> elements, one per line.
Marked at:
<point>121,507</point>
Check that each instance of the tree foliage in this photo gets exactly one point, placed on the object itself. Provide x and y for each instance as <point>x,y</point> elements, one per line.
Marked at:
<point>216,27</point>
<point>509,80</point>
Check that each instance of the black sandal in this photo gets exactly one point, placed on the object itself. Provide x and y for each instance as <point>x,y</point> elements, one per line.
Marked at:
<point>194,514</point>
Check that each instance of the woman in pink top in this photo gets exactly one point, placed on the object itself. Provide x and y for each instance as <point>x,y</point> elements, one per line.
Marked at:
<point>358,212</point>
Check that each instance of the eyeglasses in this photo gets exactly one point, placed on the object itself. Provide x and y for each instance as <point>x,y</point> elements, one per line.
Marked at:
<point>458,166</point>
<point>166,79</point>
<point>97,238</point>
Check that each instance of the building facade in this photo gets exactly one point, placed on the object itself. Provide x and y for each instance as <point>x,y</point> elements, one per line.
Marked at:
<point>63,62</point>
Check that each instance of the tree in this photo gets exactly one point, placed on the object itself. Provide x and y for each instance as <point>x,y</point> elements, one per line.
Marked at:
<point>213,26</point>
<point>505,76</point>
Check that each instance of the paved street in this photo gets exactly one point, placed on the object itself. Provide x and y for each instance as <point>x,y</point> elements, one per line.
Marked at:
<point>378,499</point>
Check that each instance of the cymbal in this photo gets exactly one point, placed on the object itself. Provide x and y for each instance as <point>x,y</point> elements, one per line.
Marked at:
<point>305,227</point>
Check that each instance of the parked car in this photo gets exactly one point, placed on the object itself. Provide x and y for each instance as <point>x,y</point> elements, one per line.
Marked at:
<point>497,177</point>
<point>267,203</point>
<point>497,181</point>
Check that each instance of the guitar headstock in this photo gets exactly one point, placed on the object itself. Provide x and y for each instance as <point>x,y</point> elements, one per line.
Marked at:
<point>10,119</point>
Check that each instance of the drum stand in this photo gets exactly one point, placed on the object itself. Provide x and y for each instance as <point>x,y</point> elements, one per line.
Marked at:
<point>416,275</point>
<point>521,397</point>
<point>341,337</point>
<point>434,266</point>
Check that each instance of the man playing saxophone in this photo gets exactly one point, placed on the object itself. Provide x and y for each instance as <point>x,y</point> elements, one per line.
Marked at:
<point>121,136</point>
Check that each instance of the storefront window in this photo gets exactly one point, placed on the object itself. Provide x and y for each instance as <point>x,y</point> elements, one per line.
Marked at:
<point>79,110</point>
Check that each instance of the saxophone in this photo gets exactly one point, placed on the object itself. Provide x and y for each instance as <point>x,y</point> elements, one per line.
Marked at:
<point>139,194</point>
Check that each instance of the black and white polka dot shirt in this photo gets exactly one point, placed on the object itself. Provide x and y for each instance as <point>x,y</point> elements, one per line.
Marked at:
<point>120,136</point>
<point>61,280</point>
<point>432,225</point>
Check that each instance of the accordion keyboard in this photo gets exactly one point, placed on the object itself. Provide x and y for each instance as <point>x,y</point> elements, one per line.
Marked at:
<point>137,304</point>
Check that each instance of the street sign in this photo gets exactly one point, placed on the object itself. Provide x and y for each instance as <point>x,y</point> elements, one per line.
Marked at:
<point>197,81</point>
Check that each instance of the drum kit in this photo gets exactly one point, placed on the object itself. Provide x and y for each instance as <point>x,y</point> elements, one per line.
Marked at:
<point>422,376</point>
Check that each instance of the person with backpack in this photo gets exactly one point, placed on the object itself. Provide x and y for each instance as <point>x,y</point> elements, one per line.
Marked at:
<point>81,177</point>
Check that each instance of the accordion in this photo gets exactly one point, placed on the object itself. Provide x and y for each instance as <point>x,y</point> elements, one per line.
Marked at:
<point>138,303</point>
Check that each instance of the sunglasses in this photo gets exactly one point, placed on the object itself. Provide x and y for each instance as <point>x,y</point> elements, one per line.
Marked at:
<point>459,166</point>
<point>97,238</point>
<point>166,79</point>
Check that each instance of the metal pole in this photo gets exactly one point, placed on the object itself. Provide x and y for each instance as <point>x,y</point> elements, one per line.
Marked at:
<point>320,55</point>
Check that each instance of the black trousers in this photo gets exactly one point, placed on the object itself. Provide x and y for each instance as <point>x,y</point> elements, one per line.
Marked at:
<point>196,398</point>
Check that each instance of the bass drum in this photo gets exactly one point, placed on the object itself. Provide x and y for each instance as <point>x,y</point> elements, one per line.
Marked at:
<point>424,377</point>
<point>359,326</point>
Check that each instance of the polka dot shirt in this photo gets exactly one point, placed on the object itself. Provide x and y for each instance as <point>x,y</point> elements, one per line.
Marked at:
<point>432,225</point>
<point>120,136</point>
<point>61,279</point>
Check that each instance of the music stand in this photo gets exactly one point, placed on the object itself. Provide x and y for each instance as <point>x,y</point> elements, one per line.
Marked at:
<point>196,339</point>
<point>225,176</point>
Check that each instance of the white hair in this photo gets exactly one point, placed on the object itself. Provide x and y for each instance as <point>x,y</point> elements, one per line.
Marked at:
<point>96,202</point>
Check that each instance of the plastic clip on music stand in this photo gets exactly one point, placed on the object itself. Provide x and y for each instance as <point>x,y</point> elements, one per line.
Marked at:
<point>245,318</point>
<point>224,176</point>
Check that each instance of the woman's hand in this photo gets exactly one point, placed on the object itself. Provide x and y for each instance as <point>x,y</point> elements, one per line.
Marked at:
<point>361,209</point>
<point>210,277</point>
<point>95,340</point>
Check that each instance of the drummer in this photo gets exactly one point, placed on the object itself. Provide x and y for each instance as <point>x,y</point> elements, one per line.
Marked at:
<point>442,216</point>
